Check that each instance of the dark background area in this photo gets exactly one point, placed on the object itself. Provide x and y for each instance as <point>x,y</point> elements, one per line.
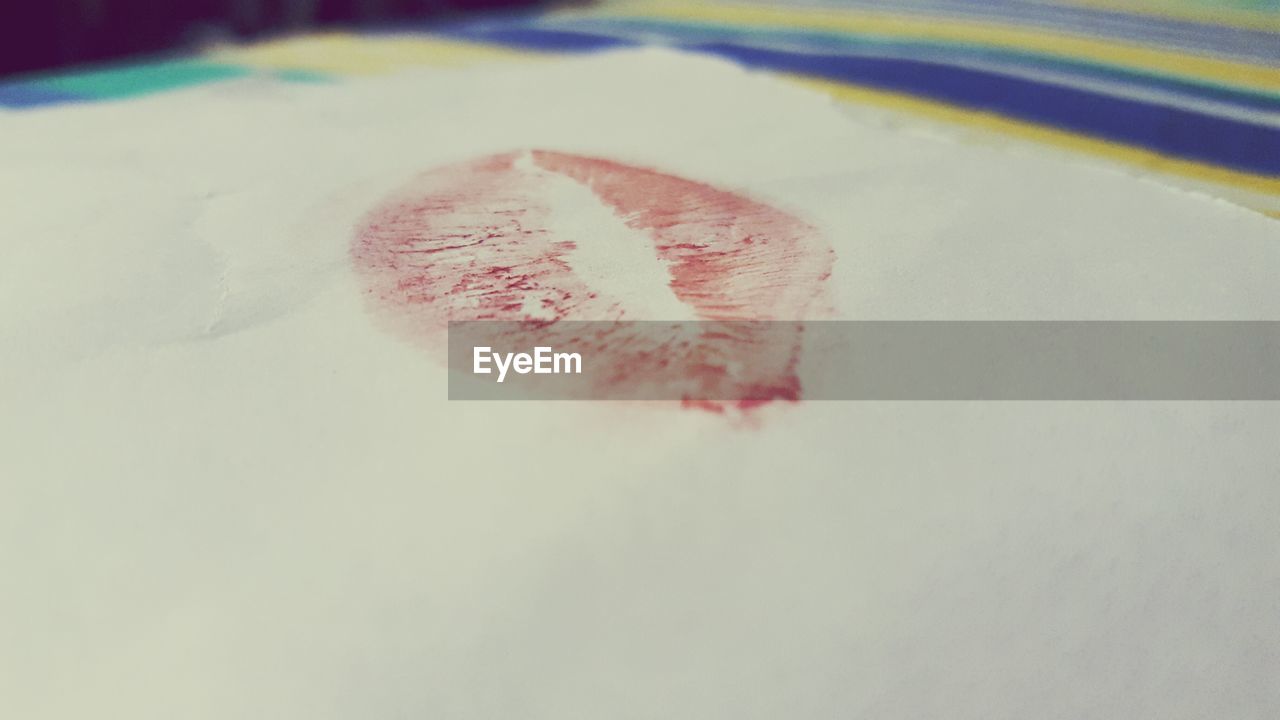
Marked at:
<point>44,34</point>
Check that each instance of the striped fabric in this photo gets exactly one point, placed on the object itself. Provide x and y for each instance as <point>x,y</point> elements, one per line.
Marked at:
<point>1186,90</point>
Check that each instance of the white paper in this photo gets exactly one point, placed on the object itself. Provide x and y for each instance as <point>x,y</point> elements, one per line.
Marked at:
<point>228,492</point>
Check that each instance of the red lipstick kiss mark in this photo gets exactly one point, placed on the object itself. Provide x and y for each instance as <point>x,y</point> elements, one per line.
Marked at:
<point>477,241</point>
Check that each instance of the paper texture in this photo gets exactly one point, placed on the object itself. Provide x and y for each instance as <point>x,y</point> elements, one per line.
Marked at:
<point>233,489</point>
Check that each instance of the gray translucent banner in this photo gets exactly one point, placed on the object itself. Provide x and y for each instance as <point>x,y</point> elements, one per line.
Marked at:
<point>758,361</point>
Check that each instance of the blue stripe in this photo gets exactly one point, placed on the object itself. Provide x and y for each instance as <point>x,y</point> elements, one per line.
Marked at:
<point>28,94</point>
<point>544,40</point>
<point>1233,42</point>
<point>1169,131</point>
<point>863,45</point>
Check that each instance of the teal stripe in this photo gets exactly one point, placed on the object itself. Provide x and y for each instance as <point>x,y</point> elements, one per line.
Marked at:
<point>132,80</point>
<point>126,81</point>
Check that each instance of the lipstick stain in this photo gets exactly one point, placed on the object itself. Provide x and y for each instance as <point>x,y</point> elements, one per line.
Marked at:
<point>475,241</point>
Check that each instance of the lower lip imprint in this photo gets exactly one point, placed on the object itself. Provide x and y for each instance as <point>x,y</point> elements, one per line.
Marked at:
<point>473,241</point>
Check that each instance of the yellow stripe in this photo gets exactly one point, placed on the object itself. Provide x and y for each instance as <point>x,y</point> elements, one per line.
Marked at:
<point>342,53</point>
<point>1106,51</point>
<point>1243,18</point>
<point>1123,153</point>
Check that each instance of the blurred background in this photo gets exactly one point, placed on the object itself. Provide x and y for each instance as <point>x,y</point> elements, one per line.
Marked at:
<point>1184,90</point>
<point>42,34</point>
